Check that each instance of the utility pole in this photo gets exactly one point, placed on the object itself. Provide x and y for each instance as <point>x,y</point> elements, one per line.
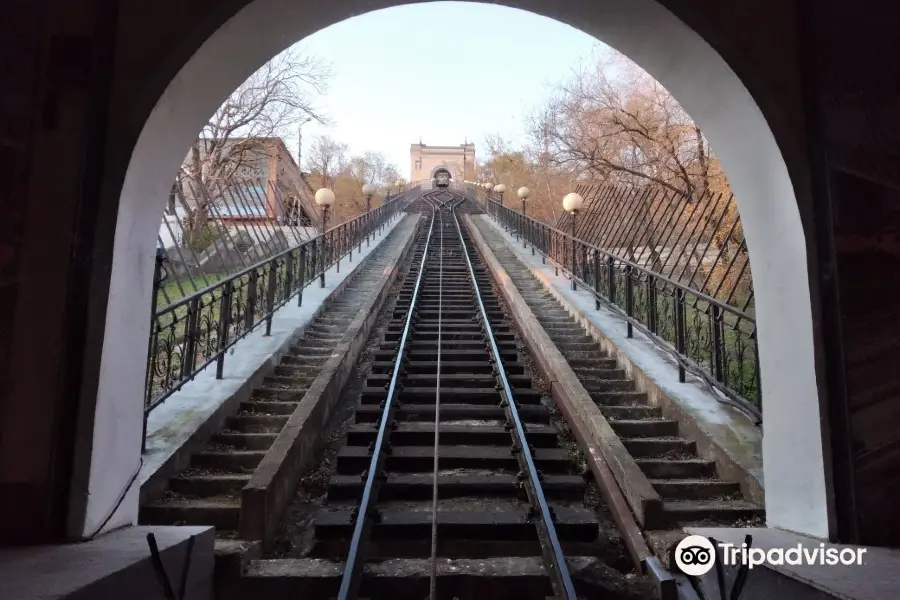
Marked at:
<point>300,141</point>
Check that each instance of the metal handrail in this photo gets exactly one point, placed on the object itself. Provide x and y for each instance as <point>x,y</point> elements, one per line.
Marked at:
<point>717,343</point>
<point>352,575</point>
<point>197,330</point>
<point>554,558</point>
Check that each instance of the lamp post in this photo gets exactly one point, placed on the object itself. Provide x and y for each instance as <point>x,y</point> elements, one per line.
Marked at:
<point>368,190</point>
<point>325,199</point>
<point>523,193</point>
<point>572,204</point>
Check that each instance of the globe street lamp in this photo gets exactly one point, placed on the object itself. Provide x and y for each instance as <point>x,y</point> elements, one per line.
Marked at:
<point>368,191</point>
<point>325,199</point>
<point>500,188</point>
<point>572,204</point>
<point>523,193</point>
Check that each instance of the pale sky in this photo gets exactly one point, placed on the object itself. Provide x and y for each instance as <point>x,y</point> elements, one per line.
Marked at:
<point>495,63</point>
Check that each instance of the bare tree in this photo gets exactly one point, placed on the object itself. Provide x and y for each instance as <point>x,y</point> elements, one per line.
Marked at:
<point>370,168</point>
<point>618,124</point>
<point>327,158</point>
<point>237,139</point>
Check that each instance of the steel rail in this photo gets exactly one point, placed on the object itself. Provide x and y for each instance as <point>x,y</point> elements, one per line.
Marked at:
<point>554,558</point>
<point>353,568</point>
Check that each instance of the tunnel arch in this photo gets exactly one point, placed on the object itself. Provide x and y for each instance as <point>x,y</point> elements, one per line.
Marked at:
<point>649,34</point>
<point>441,169</point>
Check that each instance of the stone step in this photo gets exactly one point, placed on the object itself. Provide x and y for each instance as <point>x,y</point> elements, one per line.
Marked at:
<point>644,428</point>
<point>508,524</point>
<point>607,385</point>
<point>278,394</point>
<point>209,485</point>
<point>265,407</point>
<point>594,366</point>
<point>246,441</point>
<point>453,412</point>
<point>411,459</point>
<point>721,511</point>
<point>601,375</point>
<point>660,447</point>
<point>448,380</point>
<point>234,460</point>
<point>522,578</point>
<point>221,513</point>
<point>695,489</point>
<point>248,423</point>
<point>661,468</point>
<point>447,366</point>
<point>419,486</point>
<point>618,397</point>
<point>421,434</point>
<point>451,395</point>
<point>631,412</point>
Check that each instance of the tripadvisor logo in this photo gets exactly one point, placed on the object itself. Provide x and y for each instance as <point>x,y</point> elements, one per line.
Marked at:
<point>695,555</point>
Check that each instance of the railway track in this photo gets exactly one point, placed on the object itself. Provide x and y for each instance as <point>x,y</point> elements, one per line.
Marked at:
<point>453,482</point>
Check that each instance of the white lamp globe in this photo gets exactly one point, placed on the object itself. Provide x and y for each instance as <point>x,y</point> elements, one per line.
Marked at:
<point>324,197</point>
<point>368,189</point>
<point>523,193</point>
<point>572,202</point>
<point>499,188</point>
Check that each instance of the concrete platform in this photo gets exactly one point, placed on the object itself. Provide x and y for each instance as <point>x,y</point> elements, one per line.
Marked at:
<point>878,578</point>
<point>114,566</point>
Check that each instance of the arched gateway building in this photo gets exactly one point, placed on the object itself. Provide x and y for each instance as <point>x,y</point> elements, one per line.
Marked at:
<point>425,161</point>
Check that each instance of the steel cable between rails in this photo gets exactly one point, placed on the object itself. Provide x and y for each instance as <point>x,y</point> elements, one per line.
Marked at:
<point>437,416</point>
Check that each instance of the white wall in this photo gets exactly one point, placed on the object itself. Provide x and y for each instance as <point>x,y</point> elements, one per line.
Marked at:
<point>641,29</point>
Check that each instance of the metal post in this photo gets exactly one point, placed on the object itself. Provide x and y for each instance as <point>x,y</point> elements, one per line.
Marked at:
<point>524,225</point>
<point>322,253</point>
<point>158,278</point>
<point>574,286</point>
<point>368,221</point>
<point>679,331</point>
<point>629,297</point>
<point>270,294</point>
<point>718,340</point>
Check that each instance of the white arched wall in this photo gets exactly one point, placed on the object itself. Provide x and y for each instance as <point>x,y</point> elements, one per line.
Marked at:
<point>641,29</point>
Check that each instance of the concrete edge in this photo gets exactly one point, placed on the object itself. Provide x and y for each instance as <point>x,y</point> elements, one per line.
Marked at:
<point>729,465</point>
<point>158,482</point>
<point>272,485</point>
<point>626,489</point>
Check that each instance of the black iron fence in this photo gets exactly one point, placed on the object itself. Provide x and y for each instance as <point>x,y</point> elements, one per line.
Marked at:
<point>707,337</point>
<point>192,333</point>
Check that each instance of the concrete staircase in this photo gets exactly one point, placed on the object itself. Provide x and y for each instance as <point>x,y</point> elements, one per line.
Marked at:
<point>209,491</point>
<point>691,489</point>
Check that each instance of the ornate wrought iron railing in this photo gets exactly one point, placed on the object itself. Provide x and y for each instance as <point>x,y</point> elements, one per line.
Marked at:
<point>712,340</point>
<point>189,335</point>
